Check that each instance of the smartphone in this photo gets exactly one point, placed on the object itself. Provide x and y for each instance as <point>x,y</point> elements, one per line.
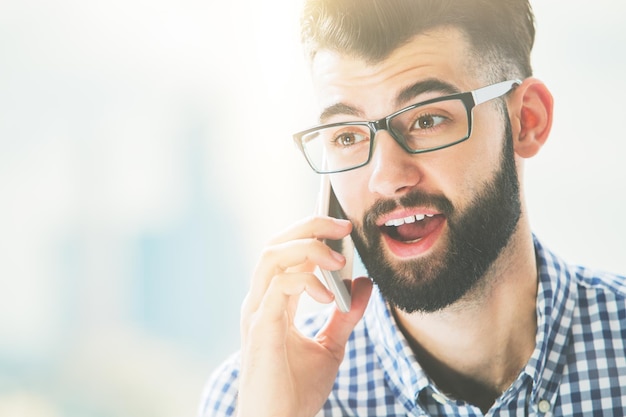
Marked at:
<point>339,282</point>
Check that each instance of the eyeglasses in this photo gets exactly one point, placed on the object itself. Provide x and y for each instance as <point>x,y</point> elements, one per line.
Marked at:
<point>423,127</point>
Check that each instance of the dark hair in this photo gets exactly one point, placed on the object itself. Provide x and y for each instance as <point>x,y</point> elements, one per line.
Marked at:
<point>501,32</point>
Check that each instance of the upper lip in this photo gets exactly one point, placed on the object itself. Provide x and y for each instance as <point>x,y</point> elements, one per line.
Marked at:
<point>399,217</point>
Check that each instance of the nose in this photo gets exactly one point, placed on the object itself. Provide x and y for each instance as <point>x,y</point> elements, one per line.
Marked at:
<point>394,171</point>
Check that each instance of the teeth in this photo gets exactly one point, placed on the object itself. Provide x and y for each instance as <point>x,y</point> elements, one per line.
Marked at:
<point>407,220</point>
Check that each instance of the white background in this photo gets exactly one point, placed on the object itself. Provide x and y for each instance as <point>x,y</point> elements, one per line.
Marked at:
<point>145,157</point>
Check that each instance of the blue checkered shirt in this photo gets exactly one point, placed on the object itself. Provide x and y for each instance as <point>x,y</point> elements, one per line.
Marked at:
<point>578,367</point>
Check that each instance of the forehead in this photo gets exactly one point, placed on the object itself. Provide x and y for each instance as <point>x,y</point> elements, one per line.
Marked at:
<point>373,89</point>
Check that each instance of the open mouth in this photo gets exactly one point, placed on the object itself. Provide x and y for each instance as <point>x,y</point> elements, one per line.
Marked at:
<point>413,234</point>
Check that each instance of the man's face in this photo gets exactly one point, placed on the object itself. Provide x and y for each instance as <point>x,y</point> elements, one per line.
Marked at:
<point>453,210</point>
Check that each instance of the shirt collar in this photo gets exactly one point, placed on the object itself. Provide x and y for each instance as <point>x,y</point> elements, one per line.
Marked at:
<point>404,374</point>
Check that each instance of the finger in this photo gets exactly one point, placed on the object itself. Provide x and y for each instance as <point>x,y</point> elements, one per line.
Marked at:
<point>340,325</point>
<point>299,246</point>
<point>316,227</point>
<point>278,302</point>
<point>277,259</point>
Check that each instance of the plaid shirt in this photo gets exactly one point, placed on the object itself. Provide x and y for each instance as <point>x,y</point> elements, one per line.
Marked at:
<point>578,367</point>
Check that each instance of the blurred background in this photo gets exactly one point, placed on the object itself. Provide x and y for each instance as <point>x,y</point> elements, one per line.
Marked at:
<point>145,158</point>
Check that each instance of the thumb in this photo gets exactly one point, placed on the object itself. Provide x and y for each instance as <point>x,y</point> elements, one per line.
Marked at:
<point>340,325</point>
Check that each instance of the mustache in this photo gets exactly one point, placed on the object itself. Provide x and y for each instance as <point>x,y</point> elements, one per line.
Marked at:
<point>412,199</point>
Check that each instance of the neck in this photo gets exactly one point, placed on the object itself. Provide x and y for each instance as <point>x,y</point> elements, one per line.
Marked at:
<point>475,349</point>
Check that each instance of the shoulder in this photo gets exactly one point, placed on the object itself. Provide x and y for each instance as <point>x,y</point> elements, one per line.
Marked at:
<point>599,281</point>
<point>596,355</point>
<point>600,303</point>
<point>588,282</point>
<point>220,393</point>
<point>581,304</point>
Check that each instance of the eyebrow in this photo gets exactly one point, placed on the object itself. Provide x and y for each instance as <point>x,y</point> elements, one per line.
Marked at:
<point>431,85</point>
<point>339,109</point>
<point>425,86</point>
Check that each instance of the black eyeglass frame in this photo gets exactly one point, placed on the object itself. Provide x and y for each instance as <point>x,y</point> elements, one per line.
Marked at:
<point>470,99</point>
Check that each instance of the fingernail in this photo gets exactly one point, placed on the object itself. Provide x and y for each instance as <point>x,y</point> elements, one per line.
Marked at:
<point>341,222</point>
<point>339,257</point>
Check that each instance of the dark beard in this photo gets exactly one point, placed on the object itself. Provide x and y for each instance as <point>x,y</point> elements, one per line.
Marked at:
<point>476,239</point>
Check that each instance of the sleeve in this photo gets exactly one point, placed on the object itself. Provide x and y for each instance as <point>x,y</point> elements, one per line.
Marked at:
<point>219,398</point>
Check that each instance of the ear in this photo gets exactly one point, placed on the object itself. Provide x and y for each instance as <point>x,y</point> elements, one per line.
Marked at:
<point>530,112</point>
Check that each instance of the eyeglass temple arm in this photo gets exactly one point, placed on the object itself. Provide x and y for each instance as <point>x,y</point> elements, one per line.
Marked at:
<point>490,92</point>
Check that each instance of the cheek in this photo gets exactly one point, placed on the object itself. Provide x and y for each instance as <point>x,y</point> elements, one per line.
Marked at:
<point>468,178</point>
<point>352,192</point>
<point>474,162</point>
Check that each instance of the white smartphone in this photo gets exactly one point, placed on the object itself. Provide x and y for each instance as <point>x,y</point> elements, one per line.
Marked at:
<point>339,282</point>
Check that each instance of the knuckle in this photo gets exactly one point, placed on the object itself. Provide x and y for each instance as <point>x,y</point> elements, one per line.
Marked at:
<point>317,224</point>
<point>280,282</point>
<point>251,328</point>
<point>245,309</point>
<point>271,255</point>
<point>268,253</point>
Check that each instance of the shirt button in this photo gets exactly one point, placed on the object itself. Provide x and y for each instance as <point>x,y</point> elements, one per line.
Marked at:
<point>440,398</point>
<point>544,406</point>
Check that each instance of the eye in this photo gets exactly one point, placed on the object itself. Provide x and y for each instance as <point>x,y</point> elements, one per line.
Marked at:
<point>347,139</point>
<point>428,121</point>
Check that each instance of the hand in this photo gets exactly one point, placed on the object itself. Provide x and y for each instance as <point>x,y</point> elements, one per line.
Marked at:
<point>284,373</point>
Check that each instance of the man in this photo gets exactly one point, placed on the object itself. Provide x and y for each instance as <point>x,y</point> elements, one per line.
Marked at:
<point>470,314</point>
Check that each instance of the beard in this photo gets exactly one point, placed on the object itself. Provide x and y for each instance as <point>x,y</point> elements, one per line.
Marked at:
<point>476,237</point>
